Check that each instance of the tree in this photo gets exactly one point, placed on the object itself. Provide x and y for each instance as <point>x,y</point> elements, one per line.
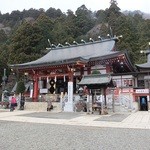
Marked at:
<point>71,28</point>
<point>20,87</point>
<point>101,16</point>
<point>96,72</point>
<point>32,13</point>
<point>113,12</point>
<point>46,25</point>
<point>84,20</point>
<point>114,8</point>
<point>3,36</point>
<point>53,13</point>
<point>104,30</point>
<point>25,40</point>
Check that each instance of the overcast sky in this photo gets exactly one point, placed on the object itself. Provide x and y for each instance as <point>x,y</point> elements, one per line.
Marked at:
<point>7,6</point>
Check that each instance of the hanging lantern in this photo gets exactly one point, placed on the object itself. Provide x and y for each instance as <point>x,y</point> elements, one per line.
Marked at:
<point>52,88</point>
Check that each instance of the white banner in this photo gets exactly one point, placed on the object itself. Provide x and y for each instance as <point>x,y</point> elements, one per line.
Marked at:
<point>142,91</point>
<point>43,90</point>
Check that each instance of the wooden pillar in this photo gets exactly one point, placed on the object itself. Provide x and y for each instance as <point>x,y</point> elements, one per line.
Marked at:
<point>82,71</point>
<point>102,104</point>
<point>35,88</point>
<point>105,107</point>
<point>70,76</point>
<point>55,79</point>
<point>88,100</point>
<point>105,96</point>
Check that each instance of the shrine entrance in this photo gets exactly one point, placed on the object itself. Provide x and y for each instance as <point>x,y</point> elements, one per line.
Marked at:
<point>143,103</point>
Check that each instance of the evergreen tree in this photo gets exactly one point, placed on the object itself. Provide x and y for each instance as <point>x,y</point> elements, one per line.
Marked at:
<point>20,89</point>
<point>84,19</point>
<point>25,41</point>
<point>46,25</point>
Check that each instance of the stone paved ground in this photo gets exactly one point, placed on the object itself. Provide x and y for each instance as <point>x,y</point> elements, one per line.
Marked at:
<point>40,136</point>
<point>113,118</point>
<point>140,120</point>
<point>69,115</point>
<point>59,115</point>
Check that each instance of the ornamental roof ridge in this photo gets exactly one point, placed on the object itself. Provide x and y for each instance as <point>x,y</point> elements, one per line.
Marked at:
<point>98,75</point>
<point>75,44</point>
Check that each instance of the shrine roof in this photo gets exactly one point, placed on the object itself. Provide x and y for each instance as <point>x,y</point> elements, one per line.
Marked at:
<point>96,80</point>
<point>144,65</point>
<point>68,54</point>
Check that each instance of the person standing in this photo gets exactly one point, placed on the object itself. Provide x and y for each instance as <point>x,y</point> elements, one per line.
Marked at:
<point>22,102</point>
<point>13,103</point>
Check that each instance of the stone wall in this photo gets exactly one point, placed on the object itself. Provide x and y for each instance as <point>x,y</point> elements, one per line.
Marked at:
<point>41,106</point>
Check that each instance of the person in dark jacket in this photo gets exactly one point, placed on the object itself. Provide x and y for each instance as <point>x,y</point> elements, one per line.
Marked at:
<point>22,102</point>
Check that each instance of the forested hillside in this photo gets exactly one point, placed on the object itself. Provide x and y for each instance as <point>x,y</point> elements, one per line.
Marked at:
<point>24,35</point>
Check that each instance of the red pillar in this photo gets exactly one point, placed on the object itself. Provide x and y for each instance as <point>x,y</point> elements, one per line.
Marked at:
<point>35,88</point>
<point>70,76</point>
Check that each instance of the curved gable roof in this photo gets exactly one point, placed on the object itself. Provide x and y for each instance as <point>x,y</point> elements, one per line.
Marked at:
<point>95,81</point>
<point>144,65</point>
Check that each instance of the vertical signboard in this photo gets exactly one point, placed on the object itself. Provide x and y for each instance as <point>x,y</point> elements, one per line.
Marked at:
<point>70,92</point>
<point>69,104</point>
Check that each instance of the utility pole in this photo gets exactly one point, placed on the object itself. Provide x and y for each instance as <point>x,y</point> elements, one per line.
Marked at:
<point>4,78</point>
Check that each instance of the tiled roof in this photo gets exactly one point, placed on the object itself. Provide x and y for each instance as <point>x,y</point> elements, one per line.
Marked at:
<point>62,55</point>
<point>144,65</point>
<point>95,79</point>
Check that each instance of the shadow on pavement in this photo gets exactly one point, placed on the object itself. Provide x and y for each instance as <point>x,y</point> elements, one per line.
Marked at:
<point>60,115</point>
<point>113,118</point>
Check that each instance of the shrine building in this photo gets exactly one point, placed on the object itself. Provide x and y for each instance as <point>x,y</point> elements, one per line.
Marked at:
<point>63,67</point>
